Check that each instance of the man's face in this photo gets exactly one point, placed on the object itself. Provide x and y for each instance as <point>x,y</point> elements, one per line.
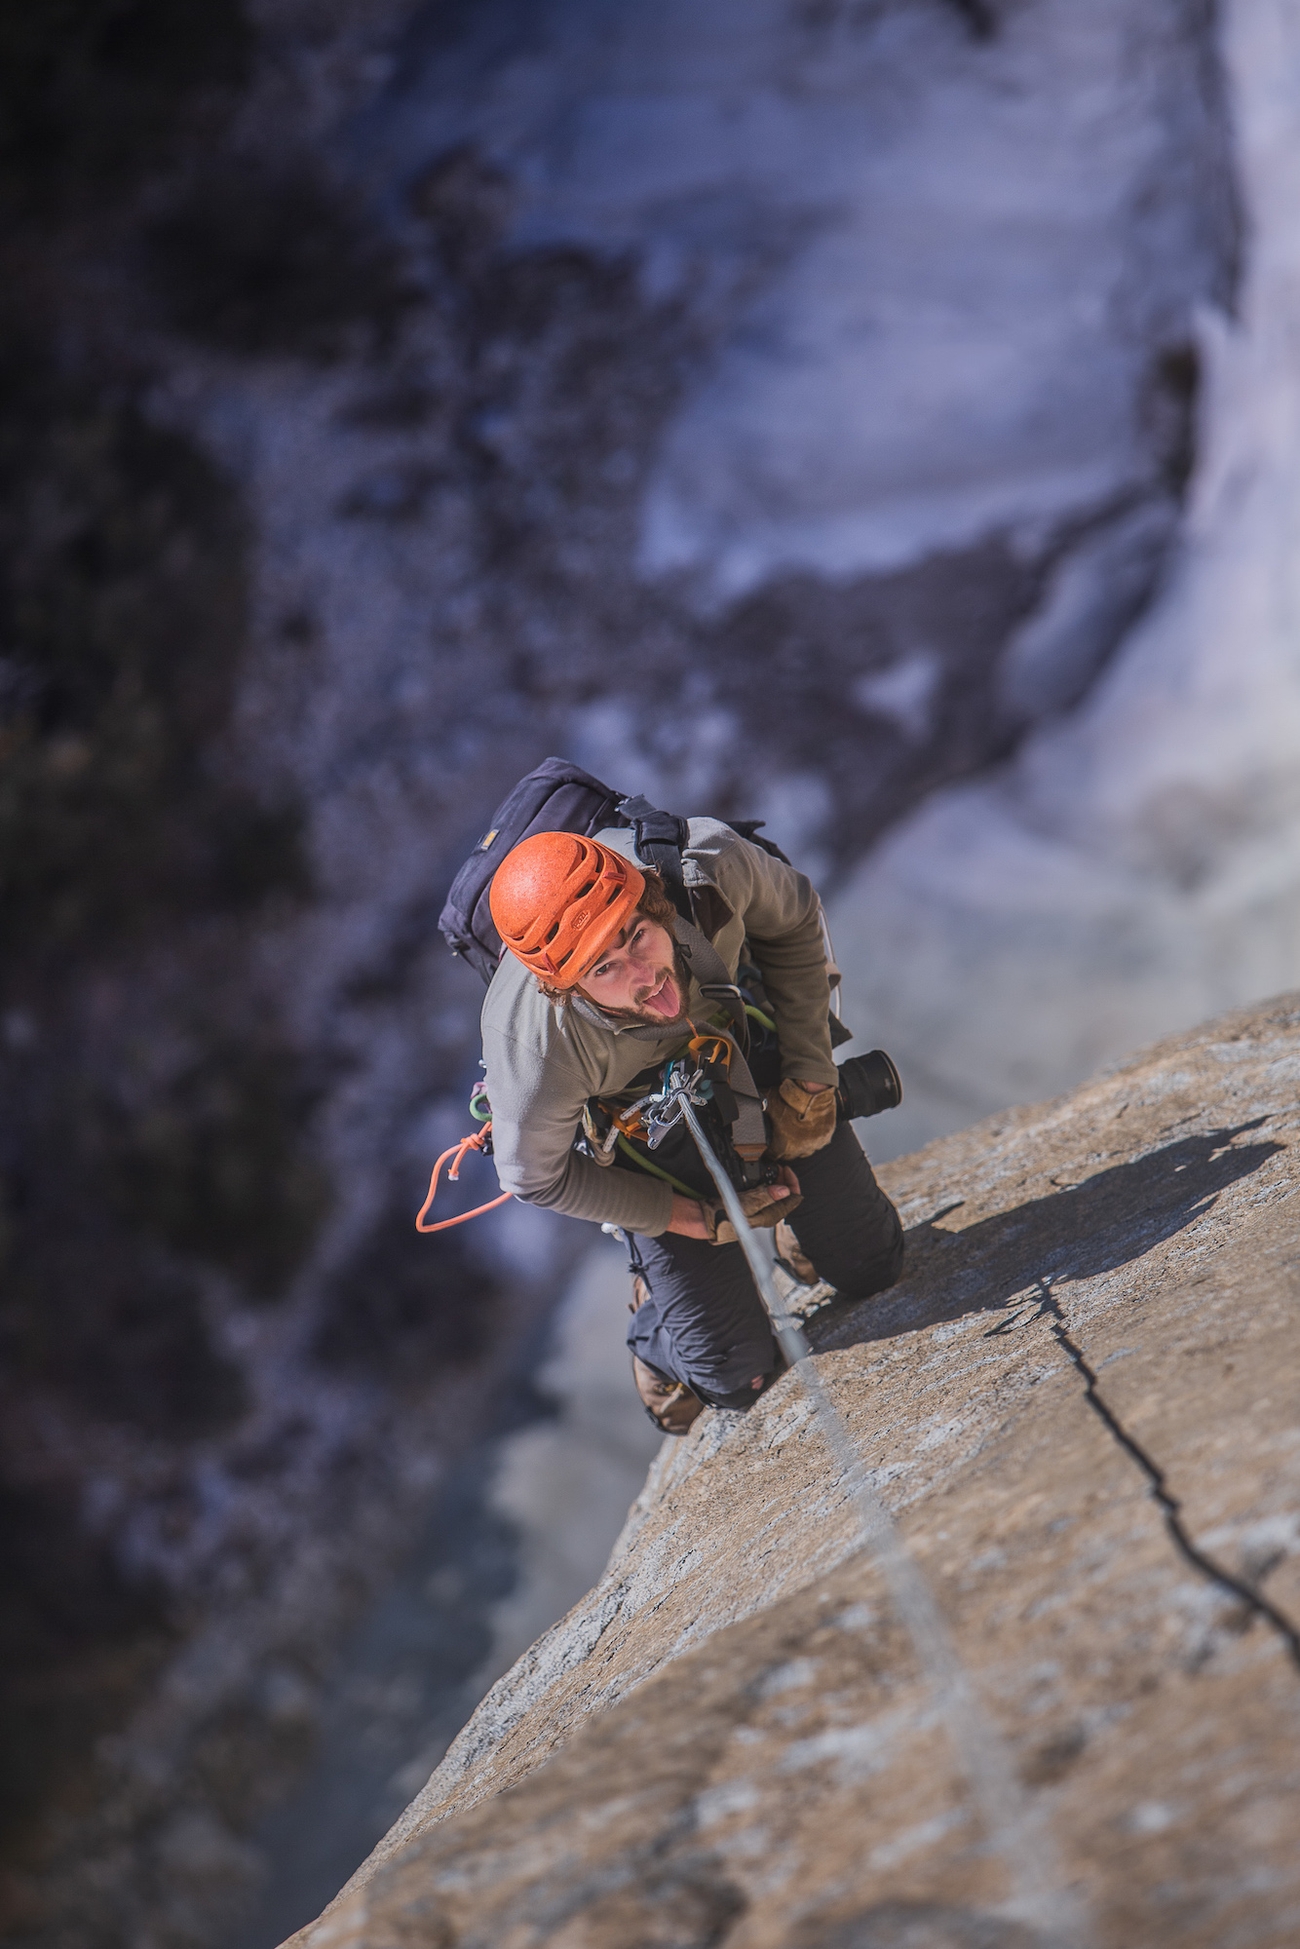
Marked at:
<point>640,974</point>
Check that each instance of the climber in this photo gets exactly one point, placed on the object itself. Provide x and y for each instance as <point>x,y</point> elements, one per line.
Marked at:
<point>604,982</point>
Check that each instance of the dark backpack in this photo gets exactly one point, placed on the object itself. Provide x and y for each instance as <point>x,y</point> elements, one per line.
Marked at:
<point>561,797</point>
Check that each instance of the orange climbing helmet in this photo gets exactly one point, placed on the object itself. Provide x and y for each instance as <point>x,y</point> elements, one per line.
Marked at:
<point>559,899</point>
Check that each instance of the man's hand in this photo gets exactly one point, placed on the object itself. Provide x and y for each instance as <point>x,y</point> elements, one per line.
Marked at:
<point>802,1116</point>
<point>691,1219</point>
<point>688,1219</point>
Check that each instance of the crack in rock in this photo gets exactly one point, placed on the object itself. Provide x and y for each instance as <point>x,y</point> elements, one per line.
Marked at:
<point>1170,1507</point>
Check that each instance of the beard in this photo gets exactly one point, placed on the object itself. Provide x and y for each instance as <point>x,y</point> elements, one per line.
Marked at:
<point>679,974</point>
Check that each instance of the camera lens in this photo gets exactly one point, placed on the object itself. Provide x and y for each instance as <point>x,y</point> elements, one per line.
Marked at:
<point>868,1084</point>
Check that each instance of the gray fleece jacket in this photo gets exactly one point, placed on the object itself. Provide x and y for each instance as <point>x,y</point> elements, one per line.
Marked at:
<point>545,1060</point>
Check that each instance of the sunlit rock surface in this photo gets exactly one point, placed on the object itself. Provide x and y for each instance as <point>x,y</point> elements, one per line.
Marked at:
<point>1079,1406</point>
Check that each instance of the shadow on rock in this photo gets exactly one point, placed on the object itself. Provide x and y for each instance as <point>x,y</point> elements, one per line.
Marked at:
<point>917,1925</point>
<point>1078,1232</point>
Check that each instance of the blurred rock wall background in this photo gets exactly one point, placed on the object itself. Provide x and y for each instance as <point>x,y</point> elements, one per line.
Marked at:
<point>870,415</point>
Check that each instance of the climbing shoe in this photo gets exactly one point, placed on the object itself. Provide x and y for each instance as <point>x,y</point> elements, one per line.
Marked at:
<point>670,1404</point>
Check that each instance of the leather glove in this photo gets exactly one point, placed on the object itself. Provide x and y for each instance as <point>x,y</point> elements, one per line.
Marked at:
<point>761,1208</point>
<point>802,1121</point>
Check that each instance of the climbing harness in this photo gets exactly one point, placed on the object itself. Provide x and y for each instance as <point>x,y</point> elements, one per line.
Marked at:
<point>711,1055</point>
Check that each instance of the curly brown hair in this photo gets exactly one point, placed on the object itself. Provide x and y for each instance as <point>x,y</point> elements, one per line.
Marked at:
<point>654,905</point>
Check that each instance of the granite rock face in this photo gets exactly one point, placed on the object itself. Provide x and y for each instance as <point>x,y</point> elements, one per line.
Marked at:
<point>1079,1407</point>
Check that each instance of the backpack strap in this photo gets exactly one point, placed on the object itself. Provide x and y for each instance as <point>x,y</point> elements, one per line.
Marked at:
<point>660,838</point>
<point>713,979</point>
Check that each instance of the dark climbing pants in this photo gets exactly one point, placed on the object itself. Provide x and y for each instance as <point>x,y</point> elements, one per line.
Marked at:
<point>702,1321</point>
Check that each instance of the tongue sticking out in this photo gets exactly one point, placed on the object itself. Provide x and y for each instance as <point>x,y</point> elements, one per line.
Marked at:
<point>663,1001</point>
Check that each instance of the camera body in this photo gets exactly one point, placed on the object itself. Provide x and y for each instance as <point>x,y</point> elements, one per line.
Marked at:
<point>868,1084</point>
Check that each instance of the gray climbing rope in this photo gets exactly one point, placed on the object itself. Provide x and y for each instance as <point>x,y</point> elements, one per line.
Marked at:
<point>1014,1828</point>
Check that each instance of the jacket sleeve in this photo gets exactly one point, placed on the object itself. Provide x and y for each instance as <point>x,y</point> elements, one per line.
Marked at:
<point>782,918</point>
<point>537,1099</point>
